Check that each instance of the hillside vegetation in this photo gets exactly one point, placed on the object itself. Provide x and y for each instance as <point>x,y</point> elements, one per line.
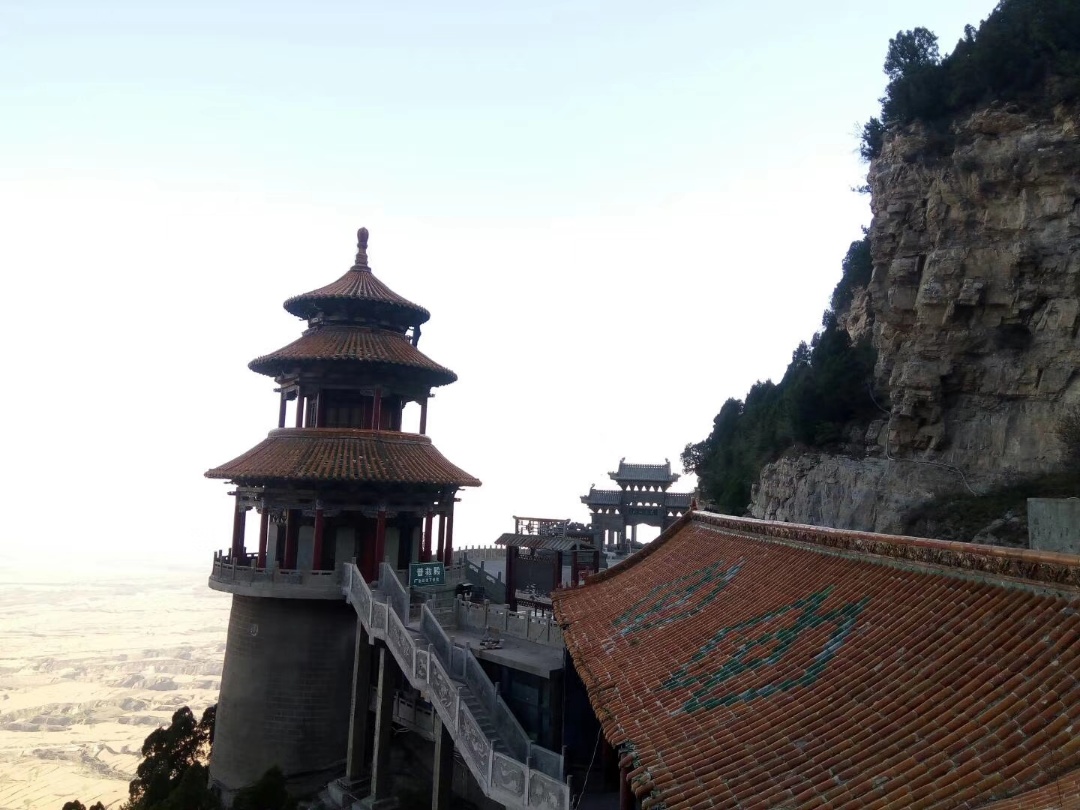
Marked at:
<point>1026,52</point>
<point>826,387</point>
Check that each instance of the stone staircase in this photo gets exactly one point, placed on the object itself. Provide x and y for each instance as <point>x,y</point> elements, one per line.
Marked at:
<point>505,763</point>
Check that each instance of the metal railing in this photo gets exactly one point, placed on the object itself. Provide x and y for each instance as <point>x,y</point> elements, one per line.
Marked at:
<point>506,779</point>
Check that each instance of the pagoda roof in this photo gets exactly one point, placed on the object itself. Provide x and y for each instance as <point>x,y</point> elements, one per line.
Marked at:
<point>660,473</point>
<point>358,289</point>
<point>342,343</point>
<point>603,497</point>
<point>344,455</point>
<point>616,497</point>
<point>741,663</point>
<point>549,542</point>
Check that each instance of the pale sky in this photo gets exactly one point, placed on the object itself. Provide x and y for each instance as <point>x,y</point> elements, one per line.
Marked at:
<point>619,215</point>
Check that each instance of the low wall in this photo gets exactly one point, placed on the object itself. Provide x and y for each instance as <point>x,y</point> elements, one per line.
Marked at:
<point>1054,524</point>
<point>478,553</point>
<point>538,629</point>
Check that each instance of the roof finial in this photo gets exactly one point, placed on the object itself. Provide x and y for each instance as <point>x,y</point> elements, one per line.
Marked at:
<point>361,248</point>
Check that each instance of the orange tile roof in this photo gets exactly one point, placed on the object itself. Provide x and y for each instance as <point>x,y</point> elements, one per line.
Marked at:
<point>344,455</point>
<point>744,664</point>
<point>353,344</point>
<point>1063,794</point>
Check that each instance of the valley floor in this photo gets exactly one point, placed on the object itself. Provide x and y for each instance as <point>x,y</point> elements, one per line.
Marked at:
<point>89,667</point>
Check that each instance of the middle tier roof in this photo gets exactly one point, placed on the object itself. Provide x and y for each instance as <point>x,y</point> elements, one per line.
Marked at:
<point>345,344</point>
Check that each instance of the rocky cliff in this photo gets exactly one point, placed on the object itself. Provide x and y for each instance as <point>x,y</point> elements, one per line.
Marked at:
<point>974,309</point>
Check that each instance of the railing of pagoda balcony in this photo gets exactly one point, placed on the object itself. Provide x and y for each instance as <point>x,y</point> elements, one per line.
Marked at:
<point>244,568</point>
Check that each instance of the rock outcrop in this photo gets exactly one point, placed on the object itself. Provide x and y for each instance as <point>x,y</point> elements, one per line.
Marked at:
<point>974,309</point>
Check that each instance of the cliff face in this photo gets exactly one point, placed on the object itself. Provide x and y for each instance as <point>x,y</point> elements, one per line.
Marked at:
<point>974,309</point>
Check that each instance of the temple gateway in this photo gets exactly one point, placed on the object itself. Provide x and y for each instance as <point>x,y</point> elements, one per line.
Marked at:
<point>642,498</point>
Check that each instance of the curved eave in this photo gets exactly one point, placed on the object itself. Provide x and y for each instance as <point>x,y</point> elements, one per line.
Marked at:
<point>358,291</point>
<point>352,345</point>
<point>334,455</point>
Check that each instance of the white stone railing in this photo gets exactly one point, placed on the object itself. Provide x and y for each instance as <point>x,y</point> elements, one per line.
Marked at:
<point>519,624</point>
<point>478,553</point>
<point>244,570</point>
<point>503,779</point>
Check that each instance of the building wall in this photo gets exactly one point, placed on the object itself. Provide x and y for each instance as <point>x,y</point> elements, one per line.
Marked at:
<point>1054,524</point>
<point>285,689</point>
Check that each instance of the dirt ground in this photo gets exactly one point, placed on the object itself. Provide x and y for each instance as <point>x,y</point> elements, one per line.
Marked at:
<point>88,667</point>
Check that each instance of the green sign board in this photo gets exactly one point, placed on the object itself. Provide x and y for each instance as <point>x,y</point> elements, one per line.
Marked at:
<point>421,574</point>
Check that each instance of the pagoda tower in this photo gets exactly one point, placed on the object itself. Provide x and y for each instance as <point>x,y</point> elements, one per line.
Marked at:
<point>341,482</point>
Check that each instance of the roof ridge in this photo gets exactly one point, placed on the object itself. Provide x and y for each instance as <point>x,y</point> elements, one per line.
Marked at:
<point>1043,567</point>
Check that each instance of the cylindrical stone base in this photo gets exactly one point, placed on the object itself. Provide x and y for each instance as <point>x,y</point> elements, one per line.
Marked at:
<point>285,691</point>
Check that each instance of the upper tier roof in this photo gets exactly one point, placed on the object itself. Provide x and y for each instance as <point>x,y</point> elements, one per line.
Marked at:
<point>358,292</point>
<point>645,473</point>
<point>550,542</point>
<point>740,663</point>
<point>616,497</point>
<point>342,343</point>
<point>340,455</point>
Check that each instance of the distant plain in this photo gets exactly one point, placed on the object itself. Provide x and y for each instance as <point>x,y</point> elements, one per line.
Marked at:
<point>90,664</point>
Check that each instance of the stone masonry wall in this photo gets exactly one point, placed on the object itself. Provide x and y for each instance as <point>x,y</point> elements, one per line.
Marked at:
<point>285,689</point>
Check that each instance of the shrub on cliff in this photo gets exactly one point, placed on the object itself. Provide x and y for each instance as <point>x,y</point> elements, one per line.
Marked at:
<point>857,267</point>
<point>825,388</point>
<point>1026,51</point>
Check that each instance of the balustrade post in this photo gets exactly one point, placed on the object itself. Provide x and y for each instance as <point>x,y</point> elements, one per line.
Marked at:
<point>380,767</point>
<point>358,723</point>
<point>442,773</point>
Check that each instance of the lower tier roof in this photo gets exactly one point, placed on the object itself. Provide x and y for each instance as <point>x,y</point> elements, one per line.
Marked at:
<point>739,663</point>
<point>353,345</point>
<point>339,455</point>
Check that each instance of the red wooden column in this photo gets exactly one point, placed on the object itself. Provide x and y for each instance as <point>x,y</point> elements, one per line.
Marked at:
<point>448,552</point>
<point>281,410</point>
<point>511,591</point>
<point>299,411</point>
<point>423,416</point>
<point>442,537</point>
<point>316,551</point>
<point>376,410</point>
<point>292,537</point>
<point>558,569</point>
<point>380,539</point>
<point>238,530</point>
<point>425,554</point>
<point>264,527</point>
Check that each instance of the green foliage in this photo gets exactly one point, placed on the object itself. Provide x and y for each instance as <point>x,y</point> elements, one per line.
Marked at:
<point>267,794</point>
<point>172,775</point>
<point>911,51</point>
<point>858,266</point>
<point>168,754</point>
<point>825,387</point>
<point>1026,51</point>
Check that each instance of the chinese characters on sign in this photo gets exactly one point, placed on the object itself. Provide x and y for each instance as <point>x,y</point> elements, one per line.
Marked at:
<point>422,574</point>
